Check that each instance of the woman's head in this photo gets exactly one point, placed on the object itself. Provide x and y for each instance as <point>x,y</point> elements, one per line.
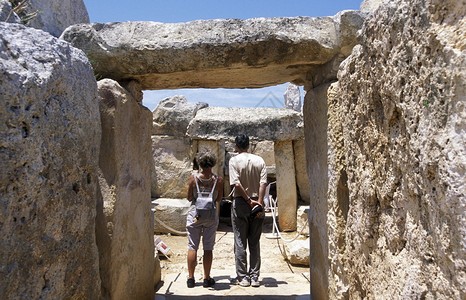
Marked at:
<point>206,159</point>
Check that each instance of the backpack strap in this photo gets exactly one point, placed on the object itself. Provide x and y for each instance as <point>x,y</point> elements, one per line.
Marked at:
<point>213,188</point>
<point>197,185</point>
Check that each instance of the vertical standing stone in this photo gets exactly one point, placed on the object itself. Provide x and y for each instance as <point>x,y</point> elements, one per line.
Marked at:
<point>315,130</point>
<point>286,185</point>
<point>301,171</point>
<point>124,227</point>
<point>49,148</point>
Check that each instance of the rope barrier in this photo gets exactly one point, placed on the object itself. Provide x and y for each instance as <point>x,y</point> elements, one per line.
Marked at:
<point>174,231</point>
<point>275,225</point>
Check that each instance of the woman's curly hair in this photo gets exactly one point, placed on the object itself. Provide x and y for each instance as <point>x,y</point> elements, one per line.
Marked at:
<point>206,159</point>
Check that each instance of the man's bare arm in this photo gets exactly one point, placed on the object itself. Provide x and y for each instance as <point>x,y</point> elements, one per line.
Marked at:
<point>262,193</point>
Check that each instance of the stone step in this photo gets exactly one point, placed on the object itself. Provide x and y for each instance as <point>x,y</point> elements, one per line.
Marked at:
<point>273,286</point>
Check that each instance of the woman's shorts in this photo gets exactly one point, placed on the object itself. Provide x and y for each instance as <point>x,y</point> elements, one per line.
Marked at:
<point>205,226</point>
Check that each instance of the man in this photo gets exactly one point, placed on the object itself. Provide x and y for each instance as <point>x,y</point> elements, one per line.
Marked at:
<point>249,176</point>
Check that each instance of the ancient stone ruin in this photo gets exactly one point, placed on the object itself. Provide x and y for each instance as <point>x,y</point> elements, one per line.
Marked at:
<point>381,136</point>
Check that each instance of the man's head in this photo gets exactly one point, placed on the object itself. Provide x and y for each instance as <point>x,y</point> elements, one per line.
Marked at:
<point>242,142</point>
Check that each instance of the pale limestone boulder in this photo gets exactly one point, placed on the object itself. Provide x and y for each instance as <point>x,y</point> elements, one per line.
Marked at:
<point>172,116</point>
<point>124,223</point>
<point>292,97</point>
<point>7,14</point>
<point>258,123</point>
<point>54,16</point>
<point>49,141</point>
<point>297,252</point>
<point>172,159</point>
<point>303,224</point>
<point>370,5</point>
<point>348,23</point>
<point>229,53</point>
<point>402,101</point>
<point>170,215</point>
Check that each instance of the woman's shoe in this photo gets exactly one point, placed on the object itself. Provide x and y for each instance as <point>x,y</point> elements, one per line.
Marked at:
<point>190,282</point>
<point>208,282</point>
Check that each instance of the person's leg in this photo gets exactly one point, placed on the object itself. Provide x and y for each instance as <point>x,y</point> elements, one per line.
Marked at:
<point>192,258</point>
<point>208,242</point>
<point>240,226</point>
<point>194,238</point>
<point>254,235</point>
<point>207,263</point>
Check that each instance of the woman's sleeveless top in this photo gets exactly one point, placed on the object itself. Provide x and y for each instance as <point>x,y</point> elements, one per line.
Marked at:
<point>203,189</point>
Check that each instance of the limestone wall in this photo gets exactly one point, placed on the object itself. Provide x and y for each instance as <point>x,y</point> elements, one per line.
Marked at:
<point>402,128</point>
<point>124,223</point>
<point>49,149</point>
<point>172,151</point>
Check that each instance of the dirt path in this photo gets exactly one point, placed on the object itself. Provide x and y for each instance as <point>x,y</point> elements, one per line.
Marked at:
<point>278,277</point>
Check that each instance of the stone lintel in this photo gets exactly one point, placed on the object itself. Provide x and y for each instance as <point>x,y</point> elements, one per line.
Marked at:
<point>221,123</point>
<point>230,53</point>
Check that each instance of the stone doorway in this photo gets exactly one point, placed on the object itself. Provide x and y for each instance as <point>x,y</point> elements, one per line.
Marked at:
<point>224,53</point>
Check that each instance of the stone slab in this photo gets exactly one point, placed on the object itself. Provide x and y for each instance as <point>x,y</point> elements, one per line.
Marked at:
<point>259,123</point>
<point>217,53</point>
<point>171,212</point>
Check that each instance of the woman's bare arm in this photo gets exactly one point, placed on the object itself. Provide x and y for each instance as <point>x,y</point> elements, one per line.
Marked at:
<point>190,188</point>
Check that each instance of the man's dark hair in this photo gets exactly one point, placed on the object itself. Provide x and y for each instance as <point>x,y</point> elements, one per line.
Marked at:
<point>242,141</point>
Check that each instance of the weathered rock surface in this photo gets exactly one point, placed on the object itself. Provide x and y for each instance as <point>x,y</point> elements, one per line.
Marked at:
<point>124,223</point>
<point>54,16</point>
<point>7,14</point>
<point>404,126</point>
<point>337,196</point>
<point>292,97</point>
<point>260,123</point>
<point>171,213</point>
<point>49,147</point>
<point>172,116</point>
<point>172,158</point>
<point>370,5</point>
<point>229,53</point>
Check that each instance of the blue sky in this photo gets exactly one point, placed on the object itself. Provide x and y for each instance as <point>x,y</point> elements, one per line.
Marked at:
<point>174,11</point>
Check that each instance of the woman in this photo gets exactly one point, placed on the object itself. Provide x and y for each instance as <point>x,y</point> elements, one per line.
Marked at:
<point>204,192</point>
